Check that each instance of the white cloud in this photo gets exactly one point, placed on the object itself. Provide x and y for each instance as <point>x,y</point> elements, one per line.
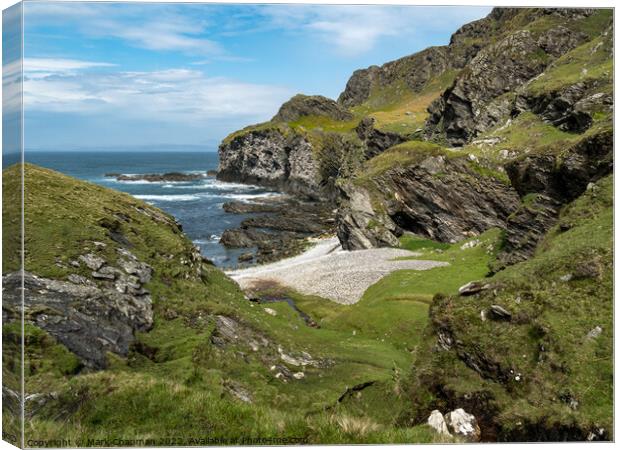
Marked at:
<point>356,29</point>
<point>60,65</point>
<point>12,86</point>
<point>174,95</point>
<point>148,26</point>
<point>349,30</point>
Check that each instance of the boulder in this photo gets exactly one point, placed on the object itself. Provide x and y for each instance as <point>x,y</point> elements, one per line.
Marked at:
<point>91,261</point>
<point>497,312</point>
<point>463,424</point>
<point>437,422</point>
<point>245,257</point>
<point>473,287</point>
<point>594,333</point>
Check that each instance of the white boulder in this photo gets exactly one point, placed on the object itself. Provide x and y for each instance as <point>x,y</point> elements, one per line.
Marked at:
<point>463,424</point>
<point>437,422</point>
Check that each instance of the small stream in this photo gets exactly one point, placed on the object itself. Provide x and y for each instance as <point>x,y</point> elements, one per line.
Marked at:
<point>272,299</point>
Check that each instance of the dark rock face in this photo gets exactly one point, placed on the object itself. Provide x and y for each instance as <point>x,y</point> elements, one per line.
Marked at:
<point>311,105</point>
<point>414,70</point>
<point>442,198</point>
<point>279,159</point>
<point>248,208</point>
<point>564,177</point>
<point>569,109</point>
<point>89,320</point>
<point>556,180</point>
<point>452,207</point>
<point>279,228</point>
<point>360,226</point>
<point>376,141</point>
<point>474,103</point>
<point>525,228</point>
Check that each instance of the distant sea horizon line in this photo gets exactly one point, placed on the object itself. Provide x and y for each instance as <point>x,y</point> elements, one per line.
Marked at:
<point>197,148</point>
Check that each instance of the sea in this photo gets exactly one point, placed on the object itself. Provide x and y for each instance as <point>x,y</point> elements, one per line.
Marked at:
<point>197,205</point>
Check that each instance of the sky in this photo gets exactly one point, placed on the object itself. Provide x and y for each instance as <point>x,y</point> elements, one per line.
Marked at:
<point>118,75</point>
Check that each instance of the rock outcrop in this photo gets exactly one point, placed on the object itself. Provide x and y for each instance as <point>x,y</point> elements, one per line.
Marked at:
<point>311,105</point>
<point>87,318</point>
<point>159,177</point>
<point>442,198</point>
<point>360,226</point>
<point>474,103</point>
<point>546,182</point>
<point>376,141</point>
<point>279,227</point>
<point>415,71</point>
<point>275,157</point>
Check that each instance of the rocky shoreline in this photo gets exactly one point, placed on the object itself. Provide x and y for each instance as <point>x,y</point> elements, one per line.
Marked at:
<point>158,177</point>
<point>277,228</point>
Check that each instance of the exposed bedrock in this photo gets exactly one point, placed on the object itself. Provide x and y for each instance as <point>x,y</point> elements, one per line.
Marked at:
<point>273,157</point>
<point>546,182</point>
<point>476,102</point>
<point>89,319</point>
<point>441,198</point>
<point>376,141</point>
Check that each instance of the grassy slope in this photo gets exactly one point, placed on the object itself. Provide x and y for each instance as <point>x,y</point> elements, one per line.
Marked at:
<point>183,386</point>
<point>546,344</point>
<point>372,340</point>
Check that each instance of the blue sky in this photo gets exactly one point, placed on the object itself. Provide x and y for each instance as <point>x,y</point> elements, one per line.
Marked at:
<point>123,74</point>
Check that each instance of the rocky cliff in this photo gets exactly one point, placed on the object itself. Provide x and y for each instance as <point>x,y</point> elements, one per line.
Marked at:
<point>507,129</point>
<point>442,197</point>
<point>546,73</point>
<point>551,66</point>
<point>275,157</point>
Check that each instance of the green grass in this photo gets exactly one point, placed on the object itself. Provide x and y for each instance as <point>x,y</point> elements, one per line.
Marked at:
<point>394,310</point>
<point>415,243</point>
<point>405,154</point>
<point>396,108</point>
<point>525,134</point>
<point>323,123</point>
<point>588,62</point>
<point>546,340</point>
<point>182,389</point>
<point>265,126</point>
